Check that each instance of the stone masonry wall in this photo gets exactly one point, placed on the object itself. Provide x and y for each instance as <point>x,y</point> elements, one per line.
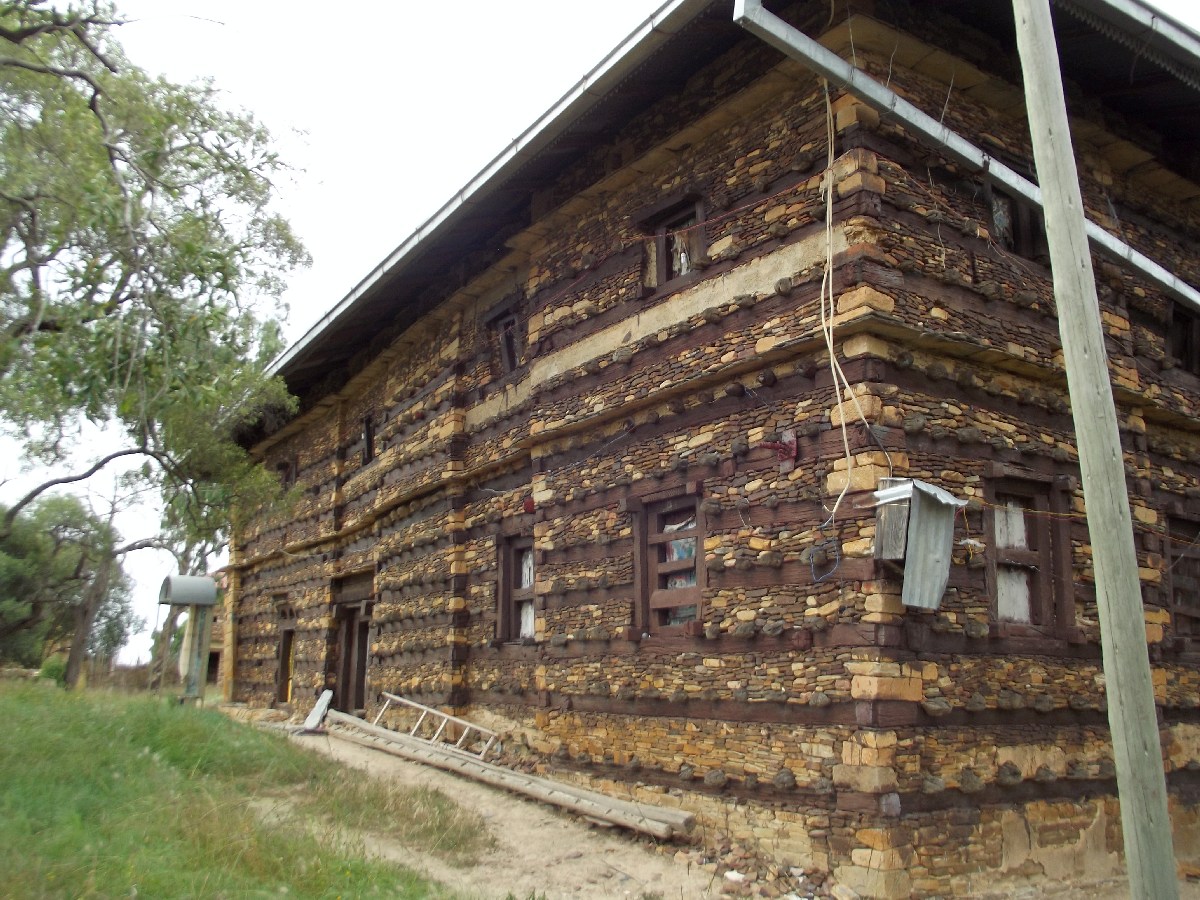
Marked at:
<point>901,751</point>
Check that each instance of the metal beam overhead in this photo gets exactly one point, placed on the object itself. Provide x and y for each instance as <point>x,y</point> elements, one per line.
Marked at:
<point>794,43</point>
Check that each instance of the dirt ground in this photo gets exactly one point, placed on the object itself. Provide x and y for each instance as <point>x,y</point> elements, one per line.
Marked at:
<point>539,849</point>
<point>543,852</point>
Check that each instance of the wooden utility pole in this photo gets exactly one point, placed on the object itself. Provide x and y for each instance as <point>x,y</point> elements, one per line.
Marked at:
<point>1149,856</point>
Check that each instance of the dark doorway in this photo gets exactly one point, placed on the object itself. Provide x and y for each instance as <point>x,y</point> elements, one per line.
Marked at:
<point>287,657</point>
<point>353,644</point>
<point>285,672</point>
<point>352,602</point>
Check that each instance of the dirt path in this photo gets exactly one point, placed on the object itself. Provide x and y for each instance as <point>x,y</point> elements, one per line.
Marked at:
<point>539,850</point>
<point>543,852</point>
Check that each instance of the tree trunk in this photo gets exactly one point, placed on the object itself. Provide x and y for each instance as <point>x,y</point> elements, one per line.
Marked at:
<point>85,619</point>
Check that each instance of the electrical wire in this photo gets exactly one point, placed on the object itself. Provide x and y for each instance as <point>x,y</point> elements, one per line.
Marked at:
<point>828,309</point>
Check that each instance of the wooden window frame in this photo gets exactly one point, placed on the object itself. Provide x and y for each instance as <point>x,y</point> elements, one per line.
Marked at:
<point>1178,549</point>
<point>285,617</point>
<point>1047,561</point>
<point>368,438</point>
<point>506,335</point>
<point>507,329</point>
<point>1027,229</point>
<point>664,223</point>
<point>1183,338</point>
<point>285,469</point>
<point>654,602</point>
<point>509,597</point>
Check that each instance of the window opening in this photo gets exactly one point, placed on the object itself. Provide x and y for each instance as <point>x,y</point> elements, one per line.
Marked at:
<point>1028,561</point>
<point>368,439</point>
<point>672,537</point>
<point>677,240</point>
<point>1185,576</point>
<point>1019,226</point>
<point>286,616</point>
<point>507,331</point>
<point>1183,340</point>
<point>517,618</point>
<point>285,470</point>
<point>1016,562</point>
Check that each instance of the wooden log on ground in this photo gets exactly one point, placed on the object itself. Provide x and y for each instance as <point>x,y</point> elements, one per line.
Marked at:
<point>660,823</point>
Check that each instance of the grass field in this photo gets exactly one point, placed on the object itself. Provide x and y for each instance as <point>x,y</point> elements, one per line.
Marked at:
<point>104,795</point>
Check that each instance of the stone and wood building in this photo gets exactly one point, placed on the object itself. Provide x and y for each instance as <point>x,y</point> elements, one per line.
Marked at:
<point>575,461</point>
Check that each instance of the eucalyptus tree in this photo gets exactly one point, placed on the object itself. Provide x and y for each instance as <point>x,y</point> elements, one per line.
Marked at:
<point>140,269</point>
<point>49,560</point>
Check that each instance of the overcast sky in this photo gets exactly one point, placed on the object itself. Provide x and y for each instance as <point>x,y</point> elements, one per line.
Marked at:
<point>384,109</point>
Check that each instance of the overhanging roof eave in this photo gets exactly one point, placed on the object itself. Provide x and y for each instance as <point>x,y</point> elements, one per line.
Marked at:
<point>587,92</point>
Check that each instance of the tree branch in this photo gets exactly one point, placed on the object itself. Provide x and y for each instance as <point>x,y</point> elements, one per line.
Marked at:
<point>15,509</point>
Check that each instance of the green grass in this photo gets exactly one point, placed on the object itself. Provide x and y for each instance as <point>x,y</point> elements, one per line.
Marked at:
<point>103,795</point>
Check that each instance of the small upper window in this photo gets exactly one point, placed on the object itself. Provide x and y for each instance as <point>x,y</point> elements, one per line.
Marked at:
<point>1018,226</point>
<point>676,241</point>
<point>1185,576</point>
<point>368,439</point>
<point>1183,339</point>
<point>516,620</point>
<point>507,330</point>
<point>285,469</point>
<point>1028,539</point>
<point>672,562</point>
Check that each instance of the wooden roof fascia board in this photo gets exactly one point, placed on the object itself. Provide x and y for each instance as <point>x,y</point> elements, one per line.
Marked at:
<point>669,19</point>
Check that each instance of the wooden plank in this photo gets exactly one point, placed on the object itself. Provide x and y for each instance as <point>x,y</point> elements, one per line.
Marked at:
<point>1146,825</point>
<point>661,823</point>
<point>313,722</point>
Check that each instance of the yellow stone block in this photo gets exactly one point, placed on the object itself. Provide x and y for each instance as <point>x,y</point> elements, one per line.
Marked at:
<point>872,667</point>
<point>762,345</point>
<point>720,246</point>
<point>1157,616</point>
<point>1154,634</point>
<point>1144,515</point>
<point>877,738</point>
<point>849,412</point>
<point>859,549</point>
<point>829,609</point>
<point>861,181</point>
<point>865,295</point>
<point>863,478</point>
<point>879,838</point>
<point>889,858</point>
<point>884,603</point>
<point>878,618</point>
<point>851,111</point>
<point>868,779</point>
<point>865,345</point>
<point>874,687</point>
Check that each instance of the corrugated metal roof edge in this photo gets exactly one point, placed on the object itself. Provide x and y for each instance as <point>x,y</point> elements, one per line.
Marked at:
<point>1149,29</point>
<point>610,71</point>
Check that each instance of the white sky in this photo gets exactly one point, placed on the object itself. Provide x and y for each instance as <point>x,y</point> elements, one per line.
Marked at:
<point>384,112</point>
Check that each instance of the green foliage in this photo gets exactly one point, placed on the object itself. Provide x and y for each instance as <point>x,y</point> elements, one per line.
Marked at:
<point>137,250</point>
<point>55,669</point>
<point>166,801</point>
<point>46,561</point>
<point>420,817</point>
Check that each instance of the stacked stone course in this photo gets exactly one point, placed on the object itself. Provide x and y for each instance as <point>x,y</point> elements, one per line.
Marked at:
<point>807,710</point>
